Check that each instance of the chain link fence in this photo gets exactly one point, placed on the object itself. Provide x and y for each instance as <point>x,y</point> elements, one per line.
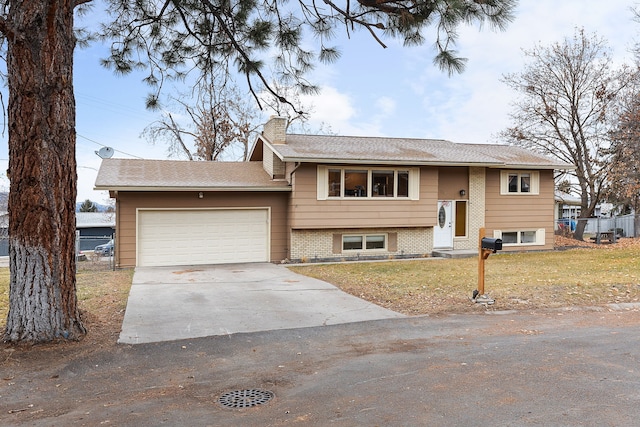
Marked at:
<point>87,257</point>
<point>95,252</point>
<point>617,226</point>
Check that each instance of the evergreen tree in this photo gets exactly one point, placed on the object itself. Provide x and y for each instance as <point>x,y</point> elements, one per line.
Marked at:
<point>168,38</point>
<point>88,206</point>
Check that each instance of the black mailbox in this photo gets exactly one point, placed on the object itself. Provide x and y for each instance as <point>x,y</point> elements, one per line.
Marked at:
<point>492,244</point>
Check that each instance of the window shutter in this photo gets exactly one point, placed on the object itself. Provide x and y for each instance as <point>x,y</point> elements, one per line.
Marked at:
<point>414,184</point>
<point>337,243</point>
<point>504,182</point>
<point>322,179</point>
<point>535,182</point>
<point>392,242</point>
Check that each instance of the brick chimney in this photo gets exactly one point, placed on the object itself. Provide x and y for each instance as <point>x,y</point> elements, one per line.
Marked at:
<point>275,130</point>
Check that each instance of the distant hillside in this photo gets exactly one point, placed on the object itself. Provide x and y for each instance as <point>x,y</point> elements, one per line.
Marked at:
<point>4,199</point>
<point>101,208</point>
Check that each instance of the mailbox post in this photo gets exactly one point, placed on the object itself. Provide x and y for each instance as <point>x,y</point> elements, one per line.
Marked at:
<point>486,247</point>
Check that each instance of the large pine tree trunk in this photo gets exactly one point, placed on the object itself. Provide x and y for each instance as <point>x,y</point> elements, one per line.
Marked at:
<point>42,172</point>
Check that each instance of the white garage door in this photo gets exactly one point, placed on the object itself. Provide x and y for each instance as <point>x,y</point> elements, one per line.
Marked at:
<point>188,237</point>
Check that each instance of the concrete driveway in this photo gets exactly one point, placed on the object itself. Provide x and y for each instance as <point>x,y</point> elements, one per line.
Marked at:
<point>172,303</point>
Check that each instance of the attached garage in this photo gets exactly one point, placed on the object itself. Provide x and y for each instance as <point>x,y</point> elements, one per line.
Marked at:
<point>202,236</point>
<point>173,212</point>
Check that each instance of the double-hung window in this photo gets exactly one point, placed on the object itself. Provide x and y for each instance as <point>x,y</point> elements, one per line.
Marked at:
<point>519,182</point>
<point>370,183</point>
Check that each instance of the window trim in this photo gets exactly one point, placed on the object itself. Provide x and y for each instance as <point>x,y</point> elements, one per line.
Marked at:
<point>364,236</point>
<point>539,241</point>
<point>323,182</point>
<point>534,189</point>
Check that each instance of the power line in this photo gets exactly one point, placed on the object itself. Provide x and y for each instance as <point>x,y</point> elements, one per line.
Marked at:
<point>102,145</point>
<point>112,107</point>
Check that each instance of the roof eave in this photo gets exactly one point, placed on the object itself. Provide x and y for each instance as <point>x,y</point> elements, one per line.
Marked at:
<point>496,165</point>
<point>254,146</point>
<point>386,162</point>
<point>286,188</point>
<point>533,166</point>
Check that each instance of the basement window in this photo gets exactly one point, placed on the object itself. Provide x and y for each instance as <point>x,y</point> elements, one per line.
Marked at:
<point>364,242</point>
<point>521,237</point>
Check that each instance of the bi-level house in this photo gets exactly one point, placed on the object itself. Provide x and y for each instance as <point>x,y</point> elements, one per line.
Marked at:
<point>318,197</point>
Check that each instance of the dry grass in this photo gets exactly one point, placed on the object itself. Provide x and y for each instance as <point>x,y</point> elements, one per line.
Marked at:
<point>102,298</point>
<point>4,296</point>
<point>103,294</point>
<point>590,275</point>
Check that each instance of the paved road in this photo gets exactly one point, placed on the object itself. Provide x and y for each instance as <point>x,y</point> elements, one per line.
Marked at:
<point>555,368</point>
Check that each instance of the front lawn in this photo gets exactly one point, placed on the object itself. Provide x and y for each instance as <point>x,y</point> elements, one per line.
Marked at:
<point>577,277</point>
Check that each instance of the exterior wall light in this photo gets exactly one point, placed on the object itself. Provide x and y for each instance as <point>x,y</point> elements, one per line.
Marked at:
<point>200,195</point>
<point>462,192</point>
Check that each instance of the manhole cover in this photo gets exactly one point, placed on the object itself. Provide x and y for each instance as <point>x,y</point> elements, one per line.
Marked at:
<point>245,398</point>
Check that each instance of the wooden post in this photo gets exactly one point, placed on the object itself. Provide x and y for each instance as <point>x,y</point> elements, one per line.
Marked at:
<point>481,259</point>
<point>479,295</point>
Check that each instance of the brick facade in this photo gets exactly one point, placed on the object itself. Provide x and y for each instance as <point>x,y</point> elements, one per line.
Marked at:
<point>477,197</point>
<point>318,245</point>
<point>275,130</point>
<point>273,165</point>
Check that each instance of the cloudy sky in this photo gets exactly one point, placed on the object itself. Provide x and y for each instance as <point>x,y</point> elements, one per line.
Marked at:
<point>370,90</point>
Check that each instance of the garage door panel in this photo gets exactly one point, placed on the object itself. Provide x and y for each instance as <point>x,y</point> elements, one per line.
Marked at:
<point>183,237</point>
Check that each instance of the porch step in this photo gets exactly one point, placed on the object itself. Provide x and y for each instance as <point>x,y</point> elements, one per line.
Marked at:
<point>454,253</point>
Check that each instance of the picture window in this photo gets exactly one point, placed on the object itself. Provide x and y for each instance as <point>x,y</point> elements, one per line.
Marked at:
<point>366,183</point>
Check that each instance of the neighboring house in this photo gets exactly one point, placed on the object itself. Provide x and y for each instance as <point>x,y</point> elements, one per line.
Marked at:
<point>94,228</point>
<point>313,197</point>
<point>569,206</point>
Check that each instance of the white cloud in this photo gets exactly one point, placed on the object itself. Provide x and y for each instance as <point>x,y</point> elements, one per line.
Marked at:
<point>385,105</point>
<point>474,106</point>
<point>330,106</point>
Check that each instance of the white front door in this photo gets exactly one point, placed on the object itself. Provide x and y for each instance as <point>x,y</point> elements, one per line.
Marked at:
<point>443,231</point>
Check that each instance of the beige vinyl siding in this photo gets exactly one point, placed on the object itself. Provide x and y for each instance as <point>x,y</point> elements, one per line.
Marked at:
<point>307,212</point>
<point>450,181</point>
<point>129,202</point>
<point>520,212</point>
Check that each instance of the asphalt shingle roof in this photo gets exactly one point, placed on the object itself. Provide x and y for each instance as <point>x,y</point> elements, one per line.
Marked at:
<point>166,175</point>
<point>329,148</point>
<point>130,174</point>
